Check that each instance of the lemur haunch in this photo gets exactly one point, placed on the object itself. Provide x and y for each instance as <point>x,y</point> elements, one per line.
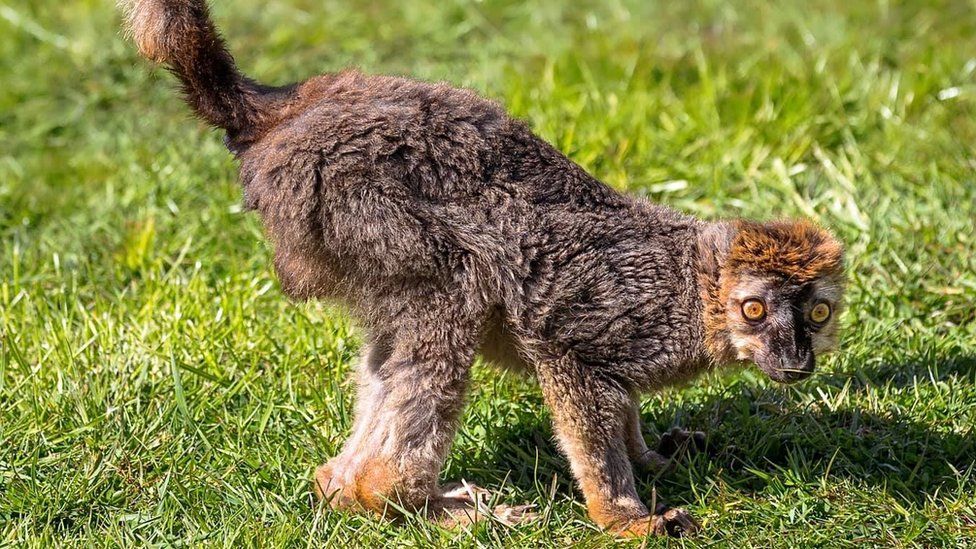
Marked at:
<point>449,229</point>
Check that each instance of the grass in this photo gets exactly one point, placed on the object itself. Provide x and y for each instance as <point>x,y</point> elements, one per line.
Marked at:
<point>156,389</point>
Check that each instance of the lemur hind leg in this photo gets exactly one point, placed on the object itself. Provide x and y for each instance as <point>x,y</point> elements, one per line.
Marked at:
<point>411,392</point>
<point>406,414</point>
<point>591,417</point>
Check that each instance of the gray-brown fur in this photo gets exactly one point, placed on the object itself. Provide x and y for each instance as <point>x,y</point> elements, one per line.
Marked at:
<point>449,228</point>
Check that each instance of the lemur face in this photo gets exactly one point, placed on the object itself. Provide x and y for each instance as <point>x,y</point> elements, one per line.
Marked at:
<point>781,293</point>
<point>781,325</point>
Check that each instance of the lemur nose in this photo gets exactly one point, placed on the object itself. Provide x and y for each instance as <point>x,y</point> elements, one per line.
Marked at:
<point>799,367</point>
<point>804,365</point>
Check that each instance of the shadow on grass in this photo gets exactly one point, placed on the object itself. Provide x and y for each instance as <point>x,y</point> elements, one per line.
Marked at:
<point>757,437</point>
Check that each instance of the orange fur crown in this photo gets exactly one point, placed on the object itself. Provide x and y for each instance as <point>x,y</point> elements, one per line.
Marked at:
<point>797,250</point>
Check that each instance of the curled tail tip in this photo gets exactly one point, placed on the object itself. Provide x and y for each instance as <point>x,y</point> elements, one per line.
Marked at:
<point>181,35</point>
<point>160,28</point>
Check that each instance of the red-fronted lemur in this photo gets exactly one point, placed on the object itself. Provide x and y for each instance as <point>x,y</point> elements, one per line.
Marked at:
<point>449,229</point>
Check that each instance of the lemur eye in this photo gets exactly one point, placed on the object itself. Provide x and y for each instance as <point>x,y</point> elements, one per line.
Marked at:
<point>820,313</point>
<point>754,309</point>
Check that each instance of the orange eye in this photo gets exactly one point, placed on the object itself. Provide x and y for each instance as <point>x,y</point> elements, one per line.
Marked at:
<point>820,313</point>
<point>753,309</point>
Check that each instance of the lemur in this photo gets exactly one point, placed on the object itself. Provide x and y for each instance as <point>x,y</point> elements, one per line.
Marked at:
<point>450,230</point>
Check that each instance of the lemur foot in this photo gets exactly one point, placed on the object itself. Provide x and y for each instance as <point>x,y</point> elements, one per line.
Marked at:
<point>463,504</point>
<point>679,441</point>
<point>364,486</point>
<point>332,489</point>
<point>671,522</point>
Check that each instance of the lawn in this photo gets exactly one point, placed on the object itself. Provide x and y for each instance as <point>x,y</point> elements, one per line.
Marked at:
<point>156,388</point>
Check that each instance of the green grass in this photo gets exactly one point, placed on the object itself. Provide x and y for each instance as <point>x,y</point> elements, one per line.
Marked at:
<point>155,388</point>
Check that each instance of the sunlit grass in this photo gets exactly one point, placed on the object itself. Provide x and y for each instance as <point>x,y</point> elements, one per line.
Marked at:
<point>156,388</point>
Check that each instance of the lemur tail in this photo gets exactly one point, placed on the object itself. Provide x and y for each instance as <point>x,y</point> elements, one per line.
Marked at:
<point>181,35</point>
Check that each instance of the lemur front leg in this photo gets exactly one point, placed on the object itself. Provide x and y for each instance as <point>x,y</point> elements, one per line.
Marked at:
<point>592,419</point>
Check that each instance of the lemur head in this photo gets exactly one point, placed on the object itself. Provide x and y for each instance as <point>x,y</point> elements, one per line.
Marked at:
<point>772,294</point>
